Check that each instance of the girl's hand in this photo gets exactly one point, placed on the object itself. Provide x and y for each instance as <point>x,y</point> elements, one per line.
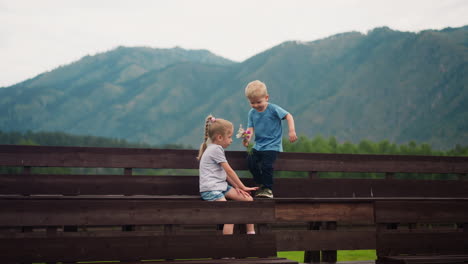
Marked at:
<point>245,142</point>
<point>243,193</point>
<point>250,189</point>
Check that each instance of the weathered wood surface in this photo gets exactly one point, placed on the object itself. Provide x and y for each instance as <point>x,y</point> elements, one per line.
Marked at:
<point>99,248</point>
<point>188,185</point>
<point>31,202</point>
<point>270,260</point>
<point>46,156</point>
<point>439,235</point>
<point>147,210</point>
<point>423,211</point>
<point>127,211</point>
<point>98,184</point>
<point>434,259</point>
<point>422,242</point>
<point>298,240</point>
<point>345,211</point>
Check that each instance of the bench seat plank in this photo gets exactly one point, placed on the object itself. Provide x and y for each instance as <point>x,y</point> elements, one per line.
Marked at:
<point>128,248</point>
<point>96,212</point>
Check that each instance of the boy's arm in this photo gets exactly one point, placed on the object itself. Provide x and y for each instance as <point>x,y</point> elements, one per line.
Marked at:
<point>292,129</point>
<point>246,141</point>
<point>233,179</point>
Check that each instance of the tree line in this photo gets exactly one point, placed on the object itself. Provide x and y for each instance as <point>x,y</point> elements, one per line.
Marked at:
<point>320,144</point>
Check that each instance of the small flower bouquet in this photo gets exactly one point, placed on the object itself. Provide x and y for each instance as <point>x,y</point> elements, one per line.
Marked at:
<point>241,133</point>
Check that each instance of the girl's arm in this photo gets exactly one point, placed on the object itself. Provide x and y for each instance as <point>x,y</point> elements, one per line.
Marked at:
<point>292,129</point>
<point>246,141</point>
<point>233,179</point>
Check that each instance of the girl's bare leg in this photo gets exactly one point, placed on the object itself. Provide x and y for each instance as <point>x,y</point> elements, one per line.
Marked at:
<point>228,229</point>
<point>234,195</point>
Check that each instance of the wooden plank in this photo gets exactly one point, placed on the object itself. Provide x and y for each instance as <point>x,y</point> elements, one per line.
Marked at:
<point>188,185</point>
<point>370,163</point>
<point>270,260</point>
<point>39,156</point>
<point>429,259</point>
<point>289,188</point>
<point>419,188</point>
<point>88,212</point>
<point>47,156</point>
<point>455,211</point>
<point>362,212</point>
<point>99,185</point>
<point>421,242</point>
<point>126,248</point>
<point>324,240</point>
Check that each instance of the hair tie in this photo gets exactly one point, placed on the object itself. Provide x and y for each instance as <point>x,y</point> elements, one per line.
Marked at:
<point>212,119</point>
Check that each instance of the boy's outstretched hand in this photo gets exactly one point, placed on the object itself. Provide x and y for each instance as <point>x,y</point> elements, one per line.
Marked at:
<point>292,136</point>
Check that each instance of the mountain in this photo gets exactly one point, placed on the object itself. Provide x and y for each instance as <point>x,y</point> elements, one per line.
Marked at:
<point>385,84</point>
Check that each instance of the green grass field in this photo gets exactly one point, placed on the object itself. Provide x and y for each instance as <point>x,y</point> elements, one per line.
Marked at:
<point>343,255</point>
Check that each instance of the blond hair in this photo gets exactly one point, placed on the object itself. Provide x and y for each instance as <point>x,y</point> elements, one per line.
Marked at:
<point>256,89</point>
<point>213,127</point>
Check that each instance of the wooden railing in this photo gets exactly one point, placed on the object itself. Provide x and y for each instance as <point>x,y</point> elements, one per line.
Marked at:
<point>311,214</point>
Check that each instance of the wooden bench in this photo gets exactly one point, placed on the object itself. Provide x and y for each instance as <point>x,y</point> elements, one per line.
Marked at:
<point>99,239</point>
<point>422,231</point>
<point>313,214</point>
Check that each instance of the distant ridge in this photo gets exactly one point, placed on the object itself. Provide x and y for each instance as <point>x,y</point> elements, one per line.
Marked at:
<point>385,84</point>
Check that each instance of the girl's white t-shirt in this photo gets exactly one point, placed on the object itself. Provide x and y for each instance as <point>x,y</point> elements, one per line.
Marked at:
<point>212,175</point>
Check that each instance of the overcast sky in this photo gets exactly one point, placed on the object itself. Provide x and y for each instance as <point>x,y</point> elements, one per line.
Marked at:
<point>40,35</point>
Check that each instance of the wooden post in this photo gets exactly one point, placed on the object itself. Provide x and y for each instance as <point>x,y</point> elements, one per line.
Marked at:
<point>128,171</point>
<point>312,256</point>
<point>240,229</point>
<point>389,175</point>
<point>219,228</point>
<point>128,228</point>
<point>27,170</point>
<point>329,256</point>
<point>313,175</point>
<point>169,230</point>
<point>463,177</point>
<point>380,228</point>
<point>263,229</point>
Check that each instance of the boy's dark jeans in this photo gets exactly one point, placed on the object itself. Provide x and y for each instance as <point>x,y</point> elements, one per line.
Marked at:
<point>260,164</point>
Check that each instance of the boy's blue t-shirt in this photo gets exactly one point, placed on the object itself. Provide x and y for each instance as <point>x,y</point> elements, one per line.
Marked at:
<point>267,127</point>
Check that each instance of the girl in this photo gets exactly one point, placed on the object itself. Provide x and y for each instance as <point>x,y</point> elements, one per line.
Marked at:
<point>215,170</point>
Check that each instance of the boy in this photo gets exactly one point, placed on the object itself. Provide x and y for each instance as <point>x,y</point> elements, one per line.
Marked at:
<point>264,121</point>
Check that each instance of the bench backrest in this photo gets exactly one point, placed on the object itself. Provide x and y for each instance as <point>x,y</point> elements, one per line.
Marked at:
<point>90,157</point>
<point>129,159</point>
<point>50,184</point>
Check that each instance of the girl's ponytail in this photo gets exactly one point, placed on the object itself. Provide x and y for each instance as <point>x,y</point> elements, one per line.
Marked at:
<point>204,145</point>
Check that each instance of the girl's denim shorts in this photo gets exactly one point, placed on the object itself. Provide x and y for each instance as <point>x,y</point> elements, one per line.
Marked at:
<point>214,195</point>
